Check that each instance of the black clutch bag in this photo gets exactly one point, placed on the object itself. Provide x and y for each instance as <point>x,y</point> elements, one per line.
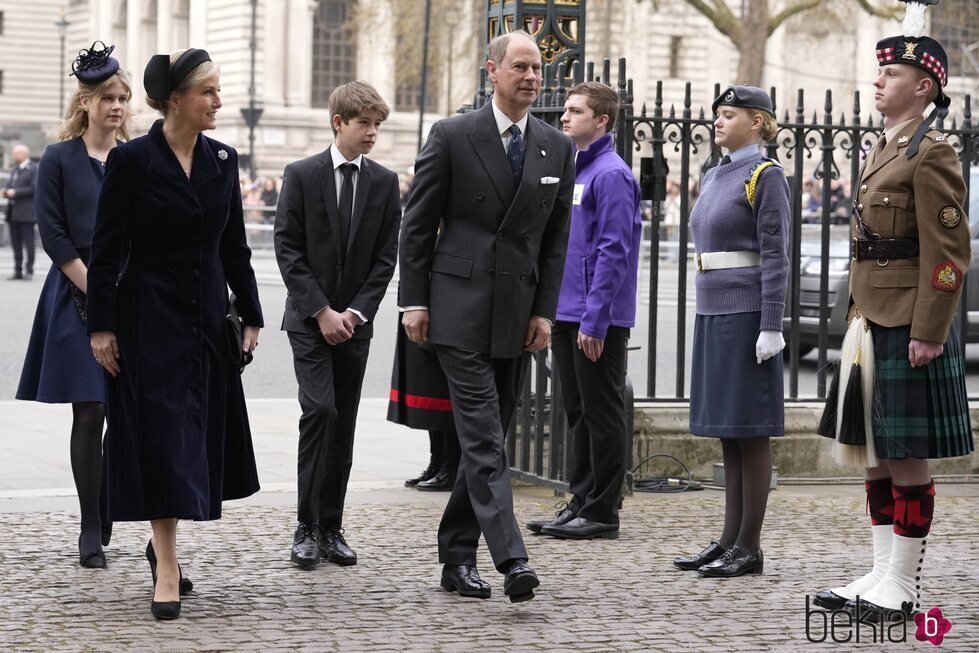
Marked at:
<point>78,299</point>
<point>236,336</point>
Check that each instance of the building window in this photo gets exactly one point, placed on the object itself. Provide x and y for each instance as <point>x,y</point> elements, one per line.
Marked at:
<point>334,49</point>
<point>676,45</point>
<point>407,97</point>
<point>1,82</point>
<point>1,22</point>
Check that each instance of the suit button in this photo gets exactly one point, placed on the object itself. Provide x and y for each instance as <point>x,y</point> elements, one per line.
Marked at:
<point>480,197</point>
<point>860,207</point>
<point>491,272</point>
<point>543,204</point>
<point>193,331</point>
<point>523,275</point>
<point>197,274</point>
<point>339,267</point>
<point>863,189</point>
<point>887,200</point>
<point>193,302</point>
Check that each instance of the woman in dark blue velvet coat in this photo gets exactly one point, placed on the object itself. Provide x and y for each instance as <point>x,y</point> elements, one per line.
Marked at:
<point>59,367</point>
<point>169,241</point>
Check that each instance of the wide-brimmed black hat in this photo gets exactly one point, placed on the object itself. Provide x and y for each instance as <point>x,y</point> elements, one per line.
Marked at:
<point>160,78</point>
<point>94,65</point>
<point>746,97</point>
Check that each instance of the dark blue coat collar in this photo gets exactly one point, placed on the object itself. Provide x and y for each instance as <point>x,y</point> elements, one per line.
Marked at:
<point>205,165</point>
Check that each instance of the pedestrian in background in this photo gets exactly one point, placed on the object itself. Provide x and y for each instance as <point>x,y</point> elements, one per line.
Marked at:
<point>169,240</point>
<point>596,309</point>
<point>59,367</point>
<point>740,230</point>
<point>20,211</point>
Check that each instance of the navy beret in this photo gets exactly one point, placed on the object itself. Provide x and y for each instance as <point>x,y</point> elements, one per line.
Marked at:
<point>94,65</point>
<point>746,97</point>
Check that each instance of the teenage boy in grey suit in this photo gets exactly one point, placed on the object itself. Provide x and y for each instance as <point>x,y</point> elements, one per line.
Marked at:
<point>336,239</point>
<point>484,291</point>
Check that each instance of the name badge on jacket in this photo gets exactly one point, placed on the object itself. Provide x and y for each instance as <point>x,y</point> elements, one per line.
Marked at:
<point>579,190</point>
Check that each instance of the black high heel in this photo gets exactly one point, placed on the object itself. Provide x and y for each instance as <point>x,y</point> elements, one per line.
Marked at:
<point>165,610</point>
<point>91,560</point>
<point>185,583</point>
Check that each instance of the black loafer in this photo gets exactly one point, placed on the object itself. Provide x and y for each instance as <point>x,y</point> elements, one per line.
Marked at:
<point>465,580</point>
<point>735,562</point>
<point>305,548</point>
<point>582,529</point>
<point>441,482</point>
<point>830,601</point>
<point>520,581</point>
<point>695,562</point>
<point>334,548</point>
<point>564,515</point>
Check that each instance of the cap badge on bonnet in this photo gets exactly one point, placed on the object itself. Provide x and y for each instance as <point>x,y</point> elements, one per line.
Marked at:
<point>909,51</point>
<point>730,96</point>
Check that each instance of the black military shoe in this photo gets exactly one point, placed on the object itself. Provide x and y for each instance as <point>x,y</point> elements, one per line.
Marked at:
<point>305,548</point>
<point>441,482</point>
<point>429,472</point>
<point>564,514</point>
<point>582,529</point>
<point>735,562</point>
<point>695,562</point>
<point>465,580</point>
<point>334,548</point>
<point>520,581</point>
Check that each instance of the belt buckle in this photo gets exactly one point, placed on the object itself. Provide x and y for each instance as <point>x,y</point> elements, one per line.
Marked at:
<point>700,265</point>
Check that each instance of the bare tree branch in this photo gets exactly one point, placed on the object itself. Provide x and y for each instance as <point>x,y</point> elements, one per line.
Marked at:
<point>880,12</point>
<point>790,11</point>
<point>720,15</point>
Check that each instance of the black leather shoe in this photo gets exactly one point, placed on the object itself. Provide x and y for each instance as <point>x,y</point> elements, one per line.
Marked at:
<point>94,560</point>
<point>165,610</point>
<point>695,562</point>
<point>186,585</point>
<point>735,562</point>
<point>582,529</point>
<point>334,548</point>
<point>441,482</point>
<point>830,601</point>
<point>305,548</point>
<point>564,515</point>
<point>15,276</point>
<point>429,472</point>
<point>520,581</point>
<point>465,580</point>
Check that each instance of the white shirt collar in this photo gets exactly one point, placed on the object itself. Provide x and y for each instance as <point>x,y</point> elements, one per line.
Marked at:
<point>503,122</point>
<point>892,132</point>
<point>24,164</point>
<point>339,160</point>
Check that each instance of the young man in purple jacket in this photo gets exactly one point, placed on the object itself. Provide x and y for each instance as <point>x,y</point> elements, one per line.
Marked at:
<point>596,309</point>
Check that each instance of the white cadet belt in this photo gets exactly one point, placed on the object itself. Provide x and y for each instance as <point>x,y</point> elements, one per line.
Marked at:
<point>725,260</point>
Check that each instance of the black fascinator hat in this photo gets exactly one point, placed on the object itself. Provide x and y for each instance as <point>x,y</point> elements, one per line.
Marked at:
<point>160,79</point>
<point>94,65</point>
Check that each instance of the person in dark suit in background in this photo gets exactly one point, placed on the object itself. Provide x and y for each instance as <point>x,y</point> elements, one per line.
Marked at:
<point>20,211</point>
<point>484,291</point>
<point>169,241</point>
<point>336,239</point>
<point>59,367</point>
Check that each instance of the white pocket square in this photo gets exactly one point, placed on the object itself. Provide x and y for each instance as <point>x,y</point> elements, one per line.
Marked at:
<point>549,180</point>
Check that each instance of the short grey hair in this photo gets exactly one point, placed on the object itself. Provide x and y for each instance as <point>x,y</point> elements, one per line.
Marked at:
<point>496,50</point>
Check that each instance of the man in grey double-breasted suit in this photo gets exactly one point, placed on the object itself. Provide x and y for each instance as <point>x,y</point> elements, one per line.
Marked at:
<point>20,211</point>
<point>482,254</point>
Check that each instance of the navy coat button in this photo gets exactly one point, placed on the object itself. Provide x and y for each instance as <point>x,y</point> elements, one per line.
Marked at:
<point>193,330</point>
<point>492,272</point>
<point>339,267</point>
<point>523,275</point>
<point>480,197</point>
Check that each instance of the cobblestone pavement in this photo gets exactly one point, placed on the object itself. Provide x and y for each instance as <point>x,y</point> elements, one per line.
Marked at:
<point>595,596</point>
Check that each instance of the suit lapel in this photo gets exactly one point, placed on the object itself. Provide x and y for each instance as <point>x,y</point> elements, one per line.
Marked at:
<point>487,143</point>
<point>328,184</point>
<point>360,200</point>
<point>205,166</point>
<point>893,148</point>
<point>535,158</point>
<point>78,159</point>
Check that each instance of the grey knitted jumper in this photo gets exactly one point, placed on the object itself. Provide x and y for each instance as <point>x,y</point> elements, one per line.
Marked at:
<point>723,221</point>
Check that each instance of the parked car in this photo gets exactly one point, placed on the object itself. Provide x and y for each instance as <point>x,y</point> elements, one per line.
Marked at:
<point>810,265</point>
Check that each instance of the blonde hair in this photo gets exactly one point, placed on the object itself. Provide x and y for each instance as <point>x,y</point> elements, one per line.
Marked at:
<point>193,78</point>
<point>76,117</point>
<point>769,126</point>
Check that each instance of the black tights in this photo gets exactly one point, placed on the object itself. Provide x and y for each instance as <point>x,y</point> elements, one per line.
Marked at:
<point>86,467</point>
<point>747,481</point>
<point>444,448</point>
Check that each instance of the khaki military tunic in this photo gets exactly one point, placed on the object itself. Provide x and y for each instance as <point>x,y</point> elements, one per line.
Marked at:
<point>920,199</point>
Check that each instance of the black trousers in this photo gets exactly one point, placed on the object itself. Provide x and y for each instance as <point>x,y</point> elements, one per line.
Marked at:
<point>22,238</point>
<point>594,401</point>
<point>484,394</point>
<point>330,380</point>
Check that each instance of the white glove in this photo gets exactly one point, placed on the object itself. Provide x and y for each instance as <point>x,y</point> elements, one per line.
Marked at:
<point>769,343</point>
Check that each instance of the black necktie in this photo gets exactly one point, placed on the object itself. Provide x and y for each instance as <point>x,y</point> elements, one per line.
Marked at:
<point>726,160</point>
<point>515,154</point>
<point>346,204</point>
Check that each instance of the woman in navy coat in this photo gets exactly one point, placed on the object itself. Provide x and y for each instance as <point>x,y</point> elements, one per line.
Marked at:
<point>59,367</point>
<point>169,241</point>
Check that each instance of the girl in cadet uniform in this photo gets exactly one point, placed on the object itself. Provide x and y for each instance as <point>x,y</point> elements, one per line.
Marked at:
<point>740,227</point>
<point>59,367</point>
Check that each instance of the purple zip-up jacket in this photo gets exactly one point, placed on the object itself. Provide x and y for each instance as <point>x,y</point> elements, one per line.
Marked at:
<point>600,272</point>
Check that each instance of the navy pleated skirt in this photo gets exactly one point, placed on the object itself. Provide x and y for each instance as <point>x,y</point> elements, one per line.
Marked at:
<point>59,367</point>
<point>731,395</point>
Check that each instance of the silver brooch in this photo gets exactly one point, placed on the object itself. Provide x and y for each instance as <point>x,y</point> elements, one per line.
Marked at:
<point>222,155</point>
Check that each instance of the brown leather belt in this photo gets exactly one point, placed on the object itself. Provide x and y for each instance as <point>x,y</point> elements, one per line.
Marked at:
<point>882,249</point>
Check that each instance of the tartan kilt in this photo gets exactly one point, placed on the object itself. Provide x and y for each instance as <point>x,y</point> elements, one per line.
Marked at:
<point>419,396</point>
<point>919,412</point>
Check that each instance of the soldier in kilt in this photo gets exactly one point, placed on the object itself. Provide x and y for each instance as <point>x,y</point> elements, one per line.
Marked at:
<point>910,252</point>
<point>419,399</point>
